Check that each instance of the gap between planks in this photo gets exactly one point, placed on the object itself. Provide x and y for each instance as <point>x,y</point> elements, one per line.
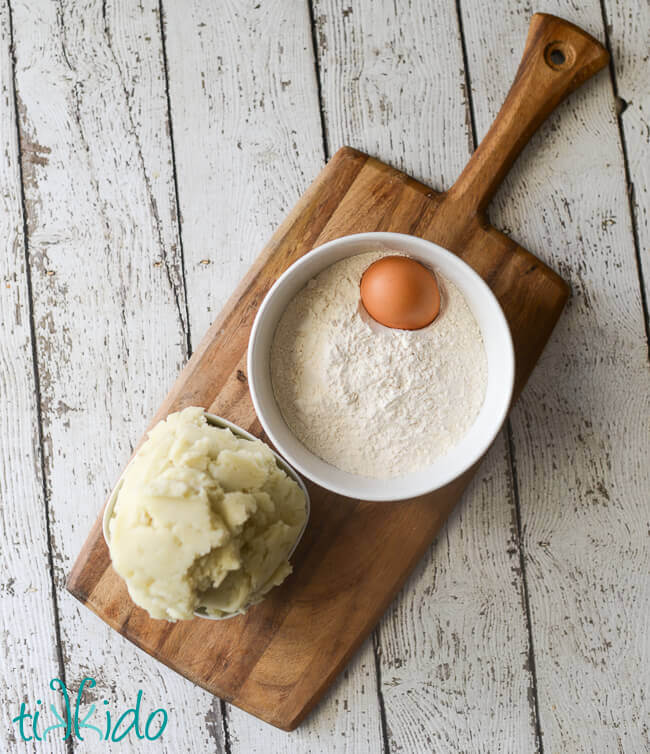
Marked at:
<point>23,126</point>
<point>35,368</point>
<point>374,637</point>
<point>629,185</point>
<point>512,468</point>
<point>163,44</point>
<point>326,154</point>
<point>186,324</point>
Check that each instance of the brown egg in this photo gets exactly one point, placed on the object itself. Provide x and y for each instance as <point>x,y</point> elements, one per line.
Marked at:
<point>401,293</point>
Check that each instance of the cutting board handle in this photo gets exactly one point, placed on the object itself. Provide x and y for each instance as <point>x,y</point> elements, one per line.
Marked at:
<point>558,57</point>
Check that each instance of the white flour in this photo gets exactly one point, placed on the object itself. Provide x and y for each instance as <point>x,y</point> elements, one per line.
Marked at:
<point>371,400</point>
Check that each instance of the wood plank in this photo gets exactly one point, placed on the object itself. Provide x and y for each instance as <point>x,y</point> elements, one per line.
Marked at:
<point>247,134</point>
<point>28,636</point>
<point>580,427</point>
<point>105,265</point>
<point>393,84</point>
<point>247,142</point>
<point>629,39</point>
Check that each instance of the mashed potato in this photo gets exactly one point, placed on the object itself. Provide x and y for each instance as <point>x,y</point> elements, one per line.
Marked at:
<point>204,520</point>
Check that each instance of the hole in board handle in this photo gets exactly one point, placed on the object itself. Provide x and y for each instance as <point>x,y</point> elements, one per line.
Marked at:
<point>558,56</point>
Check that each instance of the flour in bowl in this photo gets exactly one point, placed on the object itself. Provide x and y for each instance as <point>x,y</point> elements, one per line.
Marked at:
<point>371,400</point>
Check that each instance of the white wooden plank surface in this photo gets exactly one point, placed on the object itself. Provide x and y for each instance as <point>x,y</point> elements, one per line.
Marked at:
<point>105,262</point>
<point>454,646</point>
<point>580,430</point>
<point>248,142</point>
<point>27,618</point>
<point>629,38</point>
<point>246,131</point>
<point>105,267</point>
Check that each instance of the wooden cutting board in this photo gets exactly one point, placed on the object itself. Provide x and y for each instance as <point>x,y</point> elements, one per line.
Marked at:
<point>276,661</point>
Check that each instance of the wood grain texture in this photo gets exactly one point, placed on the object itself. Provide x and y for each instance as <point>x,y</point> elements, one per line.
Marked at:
<point>333,593</point>
<point>393,82</point>
<point>105,265</point>
<point>299,620</point>
<point>590,623</point>
<point>581,426</point>
<point>254,127</point>
<point>28,639</point>
<point>629,38</point>
<point>392,85</point>
<point>455,665</point>
<point>247,134</point>
<point>558,57</point>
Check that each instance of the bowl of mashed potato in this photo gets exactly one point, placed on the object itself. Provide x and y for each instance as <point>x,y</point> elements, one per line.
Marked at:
<point>204,519</point>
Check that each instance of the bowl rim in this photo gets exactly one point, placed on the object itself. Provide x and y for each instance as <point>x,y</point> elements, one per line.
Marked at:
<point>508,358</point>
<point>217,421</point>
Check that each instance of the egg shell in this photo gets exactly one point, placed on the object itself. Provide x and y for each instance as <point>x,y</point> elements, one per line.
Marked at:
<point>400,292</point>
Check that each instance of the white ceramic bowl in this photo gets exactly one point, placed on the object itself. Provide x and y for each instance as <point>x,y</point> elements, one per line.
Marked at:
<point>498,346</point>
<point>217,421</point>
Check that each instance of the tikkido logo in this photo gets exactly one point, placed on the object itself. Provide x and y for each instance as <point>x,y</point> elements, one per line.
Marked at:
<point>73,723</point>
